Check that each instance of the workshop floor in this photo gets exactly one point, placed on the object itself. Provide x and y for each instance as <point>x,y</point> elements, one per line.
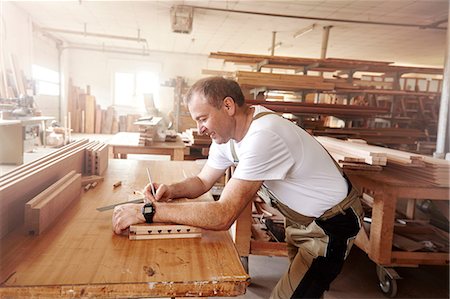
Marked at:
<point>358,279</point>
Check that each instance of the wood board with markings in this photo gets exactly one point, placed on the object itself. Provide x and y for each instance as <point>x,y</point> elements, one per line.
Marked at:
<point>163,231</point>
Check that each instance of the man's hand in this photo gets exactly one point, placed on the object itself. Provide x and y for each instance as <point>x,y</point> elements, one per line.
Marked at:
<point>126,215</point>
<point>162,193</point>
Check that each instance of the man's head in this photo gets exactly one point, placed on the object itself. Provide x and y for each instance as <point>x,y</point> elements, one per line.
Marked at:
<point>214,103</point>
<point>215,90</point>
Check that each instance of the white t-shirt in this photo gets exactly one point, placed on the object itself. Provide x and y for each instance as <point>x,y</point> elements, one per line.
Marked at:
<point>292,164</point>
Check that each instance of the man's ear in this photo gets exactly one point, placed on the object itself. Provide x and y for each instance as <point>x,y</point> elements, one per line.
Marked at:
<point>229,105</point>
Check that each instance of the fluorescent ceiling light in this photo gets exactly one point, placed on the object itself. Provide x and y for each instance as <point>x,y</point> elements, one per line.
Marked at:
<point>304,30</point>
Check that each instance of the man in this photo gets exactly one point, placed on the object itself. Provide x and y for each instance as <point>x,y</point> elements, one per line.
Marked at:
<point>322,210</point>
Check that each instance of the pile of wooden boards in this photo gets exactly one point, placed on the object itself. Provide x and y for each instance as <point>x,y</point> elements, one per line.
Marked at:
<point>26,182</point>
<point>97,157</point>
<point>148,128</point>
<point>194,138</point>
<point>385,136</point>
<point>356,154</point>
<point>320,65</point>
<point>86,116</point>
<point>45,208</point>
<point>301,108</point>
<point>273,81</point>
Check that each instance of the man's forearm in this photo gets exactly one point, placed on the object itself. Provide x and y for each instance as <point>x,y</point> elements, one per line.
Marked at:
<point>207,215</point>
<point>191,187</point>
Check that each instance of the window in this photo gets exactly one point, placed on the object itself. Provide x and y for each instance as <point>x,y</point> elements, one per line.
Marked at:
<point>47,80</point>
<point>130,88</point>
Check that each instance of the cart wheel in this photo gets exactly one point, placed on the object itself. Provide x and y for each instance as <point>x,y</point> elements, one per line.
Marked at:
<point>388,283</point>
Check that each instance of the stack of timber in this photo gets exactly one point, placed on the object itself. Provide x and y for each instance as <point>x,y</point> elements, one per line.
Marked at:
<point>82,110</point>
<point>146,135</point>
<point>267,229</point>
<point>400,138</point>
<point>356,154</point>
<point>197,146</point>
<point>127,123</point>
<point>25,182</point>
<point>400,105</point>
<point>195,138</point>
<point>148,128</point>
<point>320,65</point>
<point>45,208</point>
<point>343,111</point>
<point>96,161</point>
<point>85,116</point>
<point>273,81</point>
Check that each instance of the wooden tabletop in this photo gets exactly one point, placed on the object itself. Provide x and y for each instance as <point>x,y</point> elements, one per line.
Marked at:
<point>81,256</point>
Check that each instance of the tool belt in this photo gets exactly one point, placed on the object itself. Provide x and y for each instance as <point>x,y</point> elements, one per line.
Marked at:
<point>294,217</point>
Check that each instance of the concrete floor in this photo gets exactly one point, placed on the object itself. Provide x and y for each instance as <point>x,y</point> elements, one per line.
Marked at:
<point>358,279</point>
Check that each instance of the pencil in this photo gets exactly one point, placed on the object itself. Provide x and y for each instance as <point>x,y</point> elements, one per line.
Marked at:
<point>151,183</point>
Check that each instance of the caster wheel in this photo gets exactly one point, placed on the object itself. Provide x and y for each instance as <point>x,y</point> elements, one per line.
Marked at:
<point>387,282</point>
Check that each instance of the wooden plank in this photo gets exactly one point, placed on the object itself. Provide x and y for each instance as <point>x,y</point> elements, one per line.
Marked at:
<point>108,123</point>
<point>98,120</point>
<point>90,113</point>
<point>101,159</point>
<point>16,193</point>
<point>46,209</point>
<point>30,167</point>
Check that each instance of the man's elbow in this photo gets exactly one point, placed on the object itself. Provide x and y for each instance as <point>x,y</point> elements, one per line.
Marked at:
<point>223,223</point>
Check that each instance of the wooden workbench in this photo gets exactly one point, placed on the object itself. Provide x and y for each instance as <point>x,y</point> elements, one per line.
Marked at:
<point>387,190</point>
<point>81,257</point>
<point>125,143</point>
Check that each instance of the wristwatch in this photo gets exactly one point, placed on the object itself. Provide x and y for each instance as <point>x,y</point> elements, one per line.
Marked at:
<point>148,210</point>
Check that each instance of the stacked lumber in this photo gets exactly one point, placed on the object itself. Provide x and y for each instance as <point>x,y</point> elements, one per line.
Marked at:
<point>96,161</point>
<point>320,65</point>
<point>148,129</point>
<point>27,181</point>
<point>85,116</point>
<point>405,165</point>
<point>273,81</point>
<point>343,111</point>
<point>45,208</point>
<point>194,138</point>
<point>146,135</point>
<point>392,137</point>
<point>267,222</point>
<point>127,123</point>
<point>82,110</point>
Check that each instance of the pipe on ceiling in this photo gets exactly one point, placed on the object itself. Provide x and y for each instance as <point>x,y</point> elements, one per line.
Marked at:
<point>85,33</point>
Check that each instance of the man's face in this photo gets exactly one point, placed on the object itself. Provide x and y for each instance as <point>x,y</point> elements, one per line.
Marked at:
<point>214,122</point>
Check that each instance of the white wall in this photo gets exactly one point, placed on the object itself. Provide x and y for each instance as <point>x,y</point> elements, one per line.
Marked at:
<point>28,48</point>
<point>96,69</point>
<point>91,68</point>
<point>16,37</point>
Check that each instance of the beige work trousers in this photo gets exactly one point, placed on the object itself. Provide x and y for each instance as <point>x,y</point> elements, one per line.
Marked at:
<point>307,243</point>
